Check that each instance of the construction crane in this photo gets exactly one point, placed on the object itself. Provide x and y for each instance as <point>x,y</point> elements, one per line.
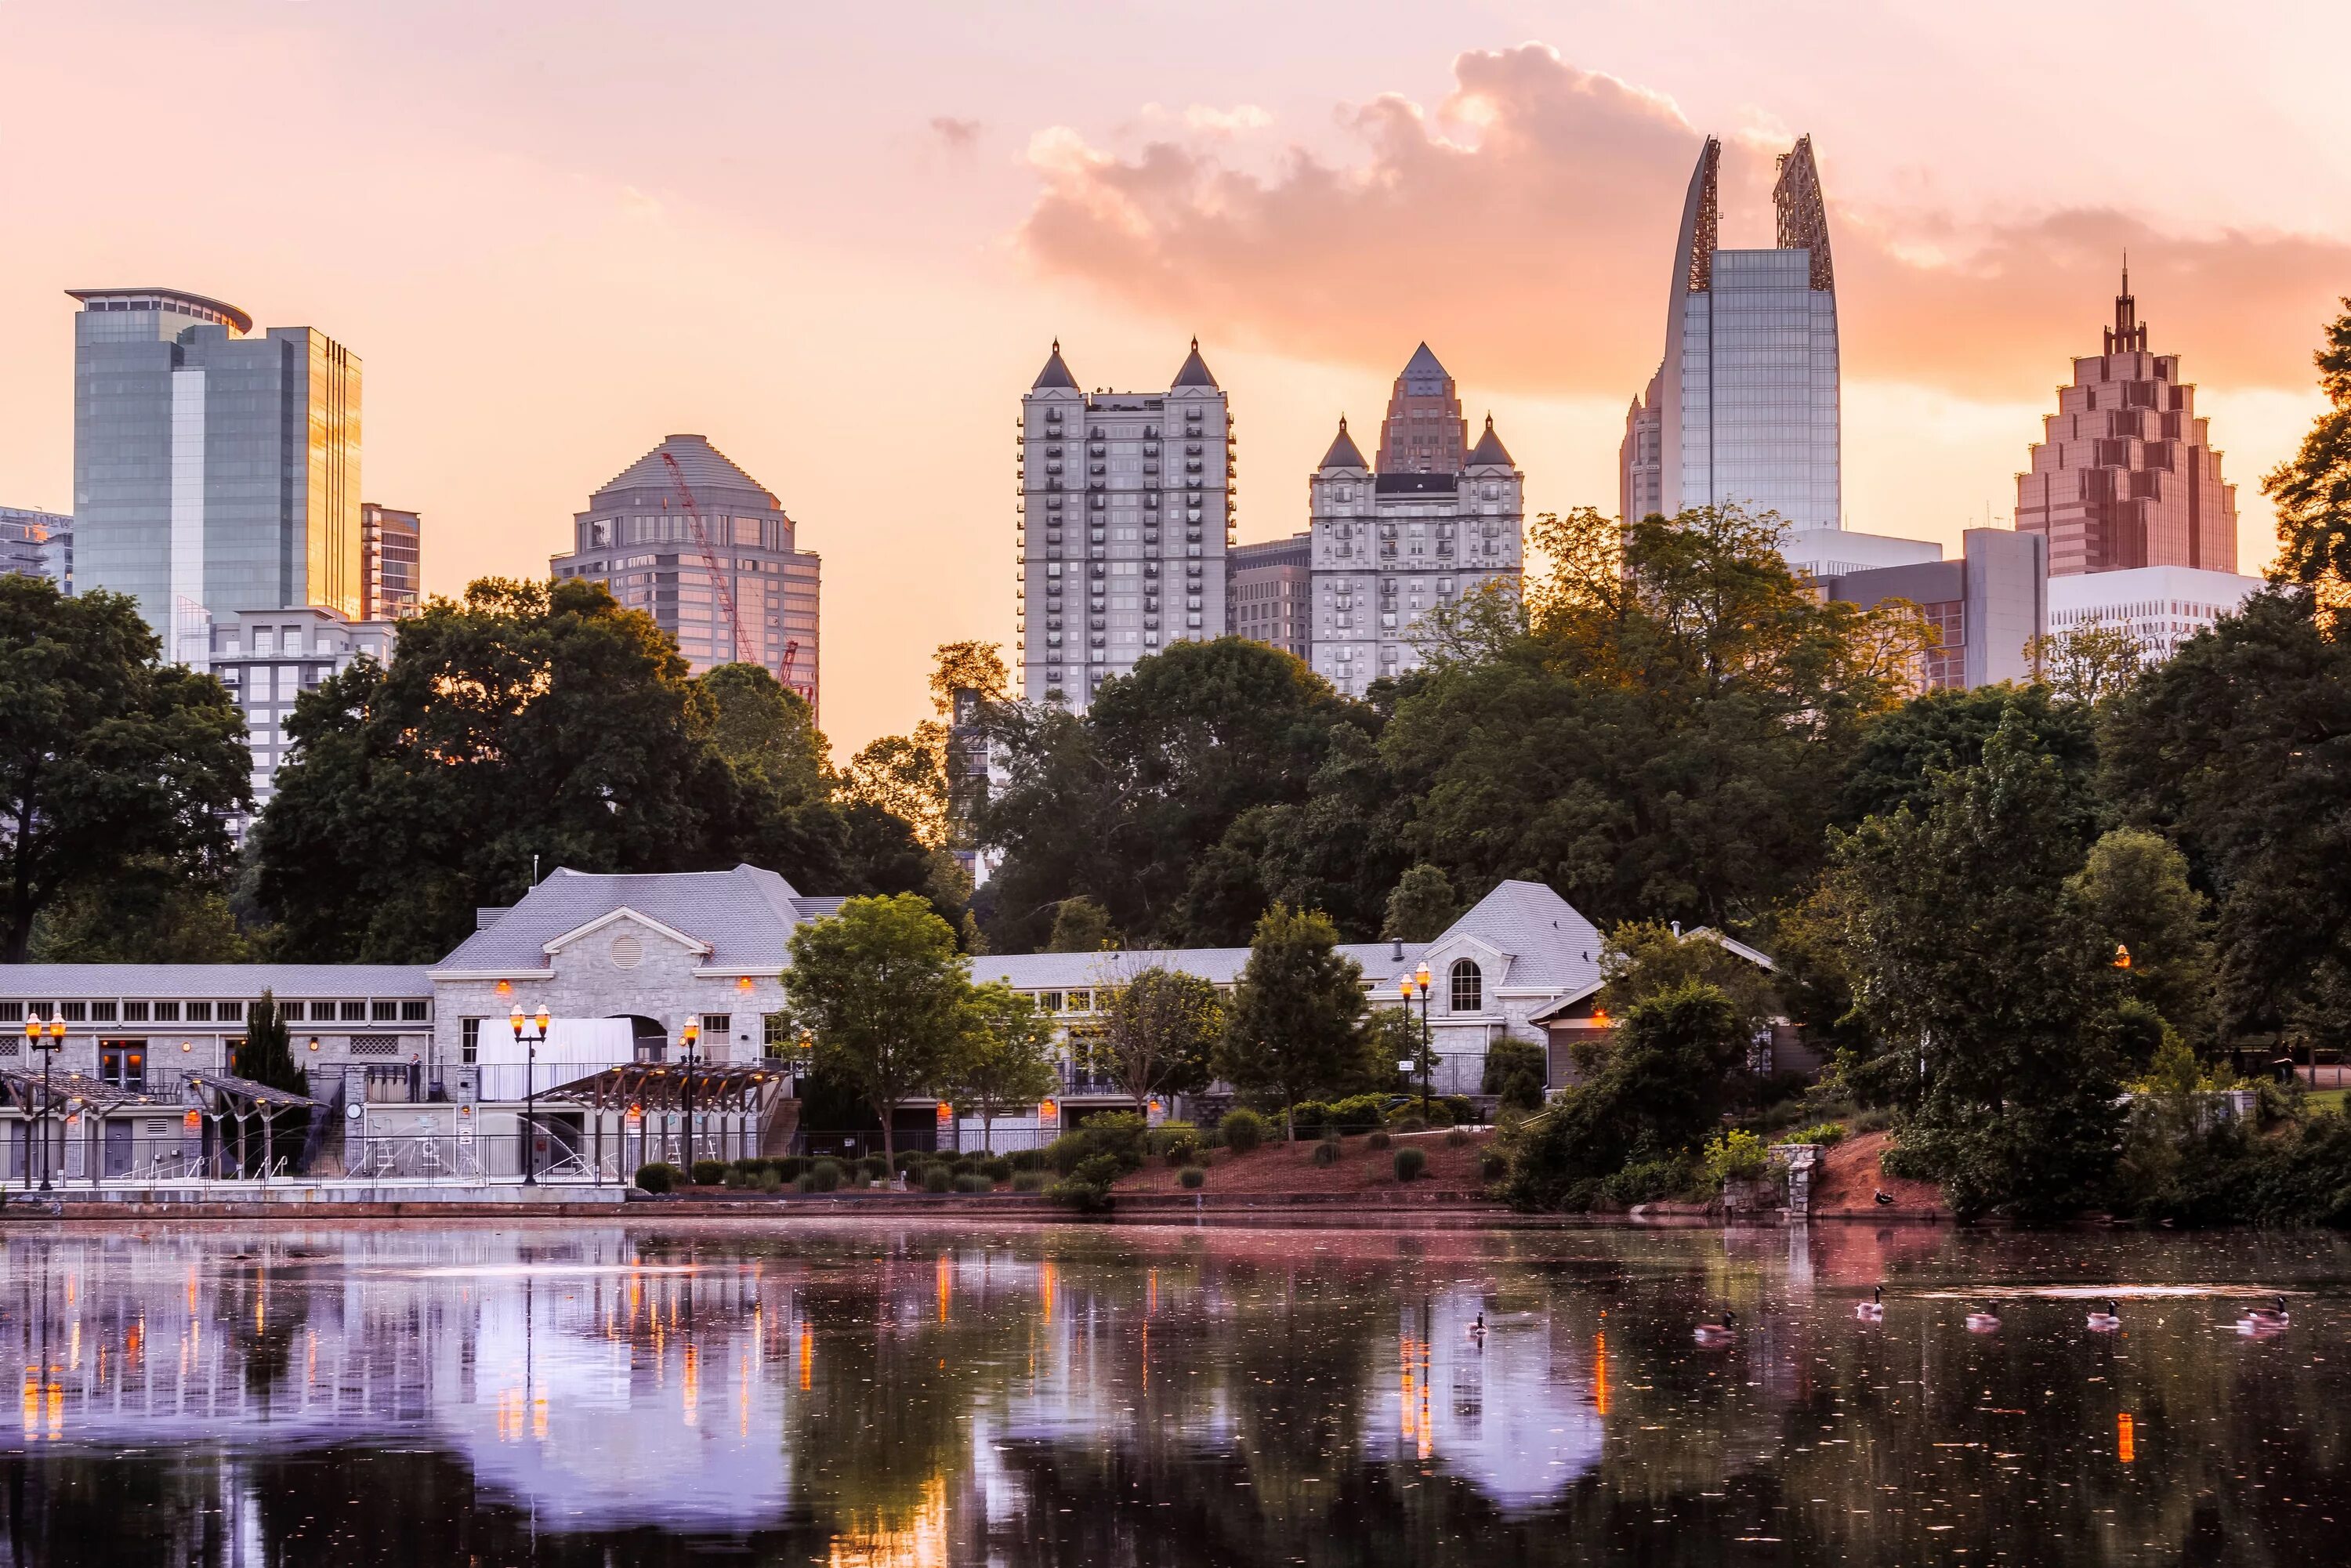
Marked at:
<point>724,581</point>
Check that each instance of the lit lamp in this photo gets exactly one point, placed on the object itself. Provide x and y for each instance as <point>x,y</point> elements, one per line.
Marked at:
<point>691,1033</point>
<point>1046,1111</point>
<point>1407,986</point>
<point>530,1044</point>
<point>314,1042</point>
<point>743,984</point>
<point>2122,956</point>
<point>49,1039</point>
<point>1600,1018</point>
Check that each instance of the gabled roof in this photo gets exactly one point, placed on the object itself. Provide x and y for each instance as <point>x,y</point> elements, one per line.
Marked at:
<point>1549,944</point>
<point>746,916</point>
<point>1489,448</point>
<point>1055,373</point>
<point>695,944</point>
<point>1343,452</point>
<point>1194,372</point>
<point>704,465</point>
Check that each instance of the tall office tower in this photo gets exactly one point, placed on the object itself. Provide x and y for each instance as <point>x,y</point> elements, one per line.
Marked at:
<point>1425,431</point>
<point>1269,595</point>
<point>638,536</point>
<point>1388,547</point>
<point>38,544</point>
<point>1126,512</point>
<point>213,472</point>
<point>392,542</point>
<point>2124,475</point>
<point>1743,410</point>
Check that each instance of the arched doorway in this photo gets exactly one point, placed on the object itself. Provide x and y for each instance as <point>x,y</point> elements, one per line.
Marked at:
<point>651,1040</point>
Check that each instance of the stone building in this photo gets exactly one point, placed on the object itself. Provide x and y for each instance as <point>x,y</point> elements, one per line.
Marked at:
<point>1269,594</point>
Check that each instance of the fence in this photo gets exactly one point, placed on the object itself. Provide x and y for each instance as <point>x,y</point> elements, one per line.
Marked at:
<point>119,1153</point>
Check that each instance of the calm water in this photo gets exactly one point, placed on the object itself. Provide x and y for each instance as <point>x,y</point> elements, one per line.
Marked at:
<point>911,1394</point>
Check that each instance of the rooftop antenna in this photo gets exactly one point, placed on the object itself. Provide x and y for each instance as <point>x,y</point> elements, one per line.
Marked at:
<point>534,870</point>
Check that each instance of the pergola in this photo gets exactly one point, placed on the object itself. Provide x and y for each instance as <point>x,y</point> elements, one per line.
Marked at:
<point>636,1090</point>
<point>223,1098</point>
<point>86,1102</point>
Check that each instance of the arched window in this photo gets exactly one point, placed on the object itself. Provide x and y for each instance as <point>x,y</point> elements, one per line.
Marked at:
<point>1468,987</point>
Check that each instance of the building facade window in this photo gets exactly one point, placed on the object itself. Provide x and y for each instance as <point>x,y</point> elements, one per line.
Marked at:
<point>1469,986</point>
<point>469,1040</point>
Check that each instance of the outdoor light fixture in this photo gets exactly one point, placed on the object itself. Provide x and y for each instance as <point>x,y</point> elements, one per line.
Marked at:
<point>743,984</point>
<point>314,1042</point>
<point>187,1045</point>
<point>506,989</point>
<point>1600,1018</point>
<point>1154,1106</point>
<point>2122,956</point>
<point>1046,1111</point>
<point>946,1112</point>
<point>530,1044</point>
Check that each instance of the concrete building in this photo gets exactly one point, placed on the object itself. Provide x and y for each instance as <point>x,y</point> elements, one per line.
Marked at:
<point>753,598</point>
<point>1269,594</point>
<point>1125,515</point>
<point>2124,475</point>
<point>213,472</point>
<point>1391,547</point>
<point>267,658</point>
<point>393,544</point>
<point>38,544</point>
<point>1823,553</point>
<point>1986,607</point>
<point>1743,410</point>
<point>2160,606</point>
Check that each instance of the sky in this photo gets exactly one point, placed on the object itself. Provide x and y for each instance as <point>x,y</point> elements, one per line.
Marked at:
<point>837,240</point>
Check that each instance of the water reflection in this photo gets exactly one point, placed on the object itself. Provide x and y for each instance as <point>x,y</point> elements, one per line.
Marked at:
<point>911,1395</point>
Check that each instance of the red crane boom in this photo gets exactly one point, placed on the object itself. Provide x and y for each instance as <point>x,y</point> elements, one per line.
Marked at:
<point>724,581</point>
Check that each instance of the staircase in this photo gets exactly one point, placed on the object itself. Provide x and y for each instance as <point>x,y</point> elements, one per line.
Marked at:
<point>783,1127</point>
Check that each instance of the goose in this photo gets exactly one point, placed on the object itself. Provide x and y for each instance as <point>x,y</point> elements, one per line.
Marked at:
<point>1477,1329</point>
<point>2105,1318</point>
<point>1874,1308</point>
<point>1883,1199</point>
<point>2274,1317</point>
<point>1722,1332</point>
<point>1986,1321</point>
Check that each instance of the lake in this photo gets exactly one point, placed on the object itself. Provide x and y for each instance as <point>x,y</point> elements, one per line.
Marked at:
<point>494,1393</point>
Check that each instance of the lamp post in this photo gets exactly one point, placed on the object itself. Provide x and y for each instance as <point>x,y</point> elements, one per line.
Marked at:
<point>690,1034</point>
<point>530,1043</point>
<point>49,1041</point>
<point>1417,982</point>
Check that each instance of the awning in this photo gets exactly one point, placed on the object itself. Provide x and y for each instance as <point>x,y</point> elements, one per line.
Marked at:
<point>667,1086</point>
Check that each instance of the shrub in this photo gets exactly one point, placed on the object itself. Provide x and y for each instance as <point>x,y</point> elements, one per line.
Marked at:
<point>659,1177</point>
<point>1875,1119</point>
<point>770,1180</point>
<point>1326,1151</point>
<point>997,1169</point>
<point>1028,1180</point>
<point>804,1183</point>
<point>1064,1153</point>
<point>709,1173</point>
<point>1409,1163</point>
<point>1169,1137</point>
<point>1243,1130</point>
<point>1087,1187</point>
<point>938,1178</point>
<point>1378,1141</point>
<point>1025,1159</point>
<point>907,1159</point>
<point>873,1167</point>
<point>1192,1176</point>
<point>1456,1138</point>
<point>1121,1136</point>
<point>824,1175</point>
<point>971,1181</point>
<point>1909,1163</point>
<point>1410,1123</point>
<point>1828,1134</point>
<point>1492,1165</point>
<point>1737,1154</point>
<point>1514,1073</point>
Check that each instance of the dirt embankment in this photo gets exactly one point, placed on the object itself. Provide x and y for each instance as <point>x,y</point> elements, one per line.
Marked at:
<point>1289,1168</point>
<point>1850,1177</point>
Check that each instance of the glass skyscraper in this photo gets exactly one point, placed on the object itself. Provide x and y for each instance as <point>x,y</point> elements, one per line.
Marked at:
<point>213,472</point>
<point>1743,410</point>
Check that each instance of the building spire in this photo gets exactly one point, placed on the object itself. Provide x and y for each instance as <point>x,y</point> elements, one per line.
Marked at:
<point>2126,336</point>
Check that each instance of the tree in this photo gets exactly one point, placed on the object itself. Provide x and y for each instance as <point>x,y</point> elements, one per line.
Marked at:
<point>1642,958</point>
<point>887,1000</point>
<point>1902,751</point>
<point>1157,1030</point>
<point>1423,904</point>
<point>269,1055</point>
<point>907,777</point>
<point>2135,886</point>
<point>1515,1072</point>
<point>769,732</point>
<point>1006,1057</point>
<point>2087,663</point>
<point>2312,488</point>
<point>974,667</point>
<point>1080,925</point>
<point>150,911</point>
<point>111,761</point>
<point>1971,959</point>
<point>1290,1031</point>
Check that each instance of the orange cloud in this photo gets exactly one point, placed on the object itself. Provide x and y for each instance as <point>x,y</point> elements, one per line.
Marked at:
<point>1525,225</point>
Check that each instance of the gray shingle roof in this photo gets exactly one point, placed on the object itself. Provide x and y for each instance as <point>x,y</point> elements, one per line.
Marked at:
<point>747,915</point>
<point>1489,448</point>
<point>1343,452</point>
<point>223,982</point>
<point>1055,373</point>
<point>1194,372</point>
<point>1549,944</point>
<point>1218,965</point>
<point>704,465</point>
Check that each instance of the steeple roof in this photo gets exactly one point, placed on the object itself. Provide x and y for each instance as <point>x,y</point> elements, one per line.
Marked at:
<point>1343,452</point>
<point>1055,373</point>
<point>704,466</point>
<point>1489,448</point>
<point>1423,363</point>
<point>1194,372</point>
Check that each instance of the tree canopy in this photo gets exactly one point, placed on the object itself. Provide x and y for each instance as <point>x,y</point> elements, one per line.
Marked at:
<point>886,997</point>
<point>1291,1032</point>
<point>2313,488</point>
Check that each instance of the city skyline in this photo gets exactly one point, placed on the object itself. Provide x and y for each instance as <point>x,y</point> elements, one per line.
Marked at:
<point>639,277</point>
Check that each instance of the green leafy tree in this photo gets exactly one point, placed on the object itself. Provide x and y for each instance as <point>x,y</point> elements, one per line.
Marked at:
<point>152,910</point>
<point>2313,488</point>
<point>1080,925</point>
<point>1515,1072</point>
<point>1972,960</point>
<point>1157,1029</point>
<point>1642,958</point>
<point>1291,1032</point>
<point>1904,749</point>
<point>2087,663</point>
<point>114,764</point>
<point>1422,905</point>
<point>905,776</point>
<point>1392,1035</point>
<point>885,997</point>
<point>1005,1058</point>
<point>769,732</point>
<point>2135,886</point>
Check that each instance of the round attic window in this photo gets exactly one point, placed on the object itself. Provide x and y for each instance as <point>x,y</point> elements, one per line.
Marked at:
<point>626,952</point>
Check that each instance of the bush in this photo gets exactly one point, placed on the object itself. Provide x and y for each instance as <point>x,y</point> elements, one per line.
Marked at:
<point>659,1177</point>
<point>1875,1119</point>
<point>1911,1164</point>
<point>1409,1163</point>
<point>1492,1165</point>
<point>1828,1134</point>
<point>1515,1070</point>
<point>938,1178</point>
<point>1377,1141</point>
<point>1028,1180</point>
<point>1172,1137</point>
<point>1087,1188</point>
<point>907,1159</point>
<point>971,1181</point>
<point>824,1175</point>
<point>1121,1136</point>
<point>1456,1138</point>
<point>1064,1153</point>
<point>1356,1113</point>
<point>1326,1151</point>
<point>770,1180</point>
<point>997,1169</point>
<point>1192,1176</point>
<point>709,1173</point>
<point>1735,1155</point>
<point>1410,1123</point>
<point>1243,1130</point>
<point>873,1167</point>
<point>1025,1159</point>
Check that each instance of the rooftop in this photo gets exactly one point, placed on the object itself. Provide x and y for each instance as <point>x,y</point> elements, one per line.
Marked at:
<point>702,464</point>
<point>163,300</point>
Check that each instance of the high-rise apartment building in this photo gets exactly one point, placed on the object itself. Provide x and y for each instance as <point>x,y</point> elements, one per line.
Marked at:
<point>392,542</point>
<point>1269,594</point>
<point>1126,512</point>
<point>268,658</point>
<point>38,544</point>
<point>213,472</point>
<point>1743,410</point>
<point>2124,475</point>
<point>752,599</point>
<point>1392,544</point>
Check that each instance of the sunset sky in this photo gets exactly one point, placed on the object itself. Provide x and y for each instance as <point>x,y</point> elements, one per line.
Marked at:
<point>838,239</point>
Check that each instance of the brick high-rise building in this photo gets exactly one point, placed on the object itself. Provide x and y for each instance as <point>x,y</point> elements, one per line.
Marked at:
<point>1425,430</point>
<point>1268,593</point>
<point>2124,475</point>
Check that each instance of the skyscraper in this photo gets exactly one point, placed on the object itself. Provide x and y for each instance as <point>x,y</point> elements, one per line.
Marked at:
<point>213,472</point>
<point>638,536</point>
<point>1743,410</point>
<point>1423,432</point>
<point>1268,593</point>
<point>1125,515</point>
<point>2124,475</point>
<point>38,544</point>
<point>392,542</point>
